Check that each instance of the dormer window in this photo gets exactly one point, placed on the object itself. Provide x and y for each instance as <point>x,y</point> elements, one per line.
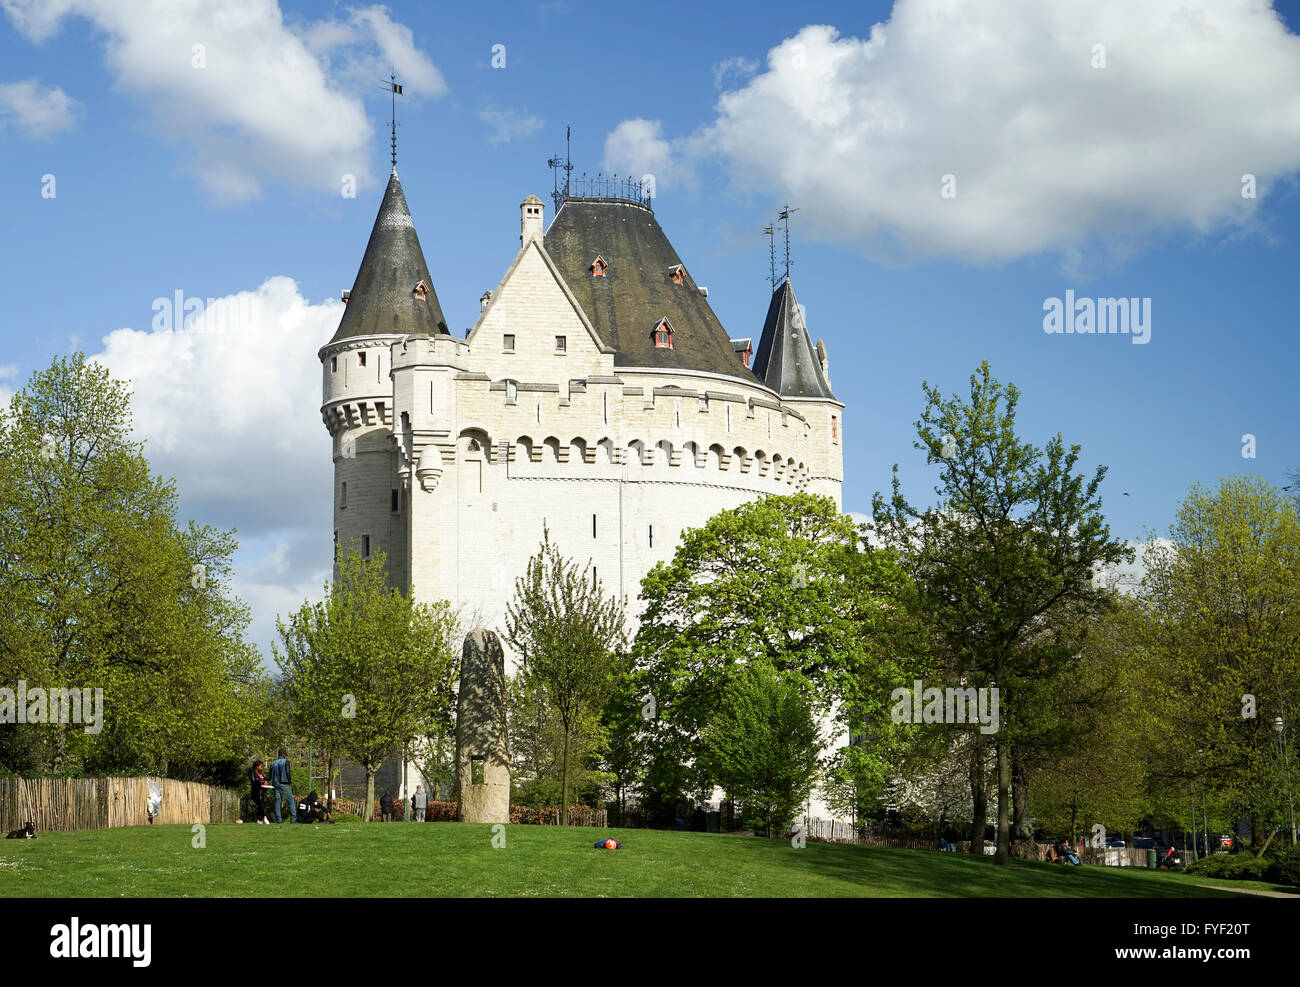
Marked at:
<point>677,273</point>
<point>419,291</point>
<point>346,296</point>
<point>598,267</point>
<point>663,335</point>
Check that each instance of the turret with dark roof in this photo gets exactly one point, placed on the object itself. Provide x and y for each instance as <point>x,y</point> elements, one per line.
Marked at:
<point>639,282</point>
<point>785,360</point>
<point>393,292</point>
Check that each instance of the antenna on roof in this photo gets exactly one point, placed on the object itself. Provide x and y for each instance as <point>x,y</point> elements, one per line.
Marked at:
<point>770,233</point>
<point>395,90</point>
<point>784,216</point>
<point>555,165</point>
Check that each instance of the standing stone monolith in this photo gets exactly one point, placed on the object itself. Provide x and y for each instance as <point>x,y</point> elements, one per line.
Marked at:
<point>482,762</point>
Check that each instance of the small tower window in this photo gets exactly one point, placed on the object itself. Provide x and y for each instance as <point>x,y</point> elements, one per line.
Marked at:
<point>419,291</point>
<point>677,273</point>
<point>346,296</point>
<point>365,546</point>
<point>336,546</point>
<point>334,364</point>
<point>593,526</point>
<point>561,344</point>
<point>508,342</point>
<point>394,501</point>
<point>652,535</point>
<point>362,357</point>
<point>663,335</point>
<point>512,392</point>
<point>343,496</point>
<point>598,267</point>
<point>835,429</point>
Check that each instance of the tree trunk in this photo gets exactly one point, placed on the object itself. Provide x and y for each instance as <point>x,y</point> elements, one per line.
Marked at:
<point>564,782</point>
<point>369,814</point>
<point>979,797</point>
<point>1004,805</point>
<point>1022,824</point>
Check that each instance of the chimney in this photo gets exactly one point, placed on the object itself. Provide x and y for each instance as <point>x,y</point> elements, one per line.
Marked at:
<point>530,219</point>
<point>483,301</point>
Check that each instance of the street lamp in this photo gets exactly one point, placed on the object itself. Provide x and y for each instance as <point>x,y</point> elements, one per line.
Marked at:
<point>1280,726</point>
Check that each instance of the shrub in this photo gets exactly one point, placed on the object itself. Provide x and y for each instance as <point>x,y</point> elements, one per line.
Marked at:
<point>346,817</point>
<point>1286,867</point>
<point>1234,867</point>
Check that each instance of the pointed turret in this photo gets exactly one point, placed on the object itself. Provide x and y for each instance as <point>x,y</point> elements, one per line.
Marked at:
<point>785,359</point>
<point>393,292</point>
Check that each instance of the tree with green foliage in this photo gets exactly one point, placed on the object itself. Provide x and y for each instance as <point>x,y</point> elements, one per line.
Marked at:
<point>784,580</point>
<point>569,637</point>
<point>761,744</point>
<point>1015,541</point>
<point>102,590</point>
<point>1222,601</point>
<point>369,668</point>
<point>538,752</point>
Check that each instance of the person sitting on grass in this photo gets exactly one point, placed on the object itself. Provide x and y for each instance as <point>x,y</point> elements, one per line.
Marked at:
<point>1065,853</point>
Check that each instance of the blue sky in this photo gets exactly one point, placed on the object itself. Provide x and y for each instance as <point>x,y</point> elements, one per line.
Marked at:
<point>1116,179</point>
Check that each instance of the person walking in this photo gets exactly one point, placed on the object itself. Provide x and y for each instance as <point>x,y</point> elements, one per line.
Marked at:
<point>419,802</point>
<point>257,784</point>
<point>280,782</point>
<point>386,806</point>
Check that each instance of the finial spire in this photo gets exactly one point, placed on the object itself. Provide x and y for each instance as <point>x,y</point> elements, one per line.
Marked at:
<point>784,216</point>
<point>395,90</point>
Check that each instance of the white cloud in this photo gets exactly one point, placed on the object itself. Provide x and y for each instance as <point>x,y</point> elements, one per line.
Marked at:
<point>508,124</point>
<point>259,100</point>
<point>228,405</point>
<point>40,111</point>
<point>737,65</point>
<point>1048,152</point>
<point>637,147</point>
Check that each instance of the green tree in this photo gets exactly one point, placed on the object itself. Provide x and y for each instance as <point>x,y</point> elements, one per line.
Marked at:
<point>537,747</point>
<point>103,590</point>
<point>1222,600</point>
<point>569,638</point>
<point>1015,542</point>
<point>761,744</point>
<point>784,580</point>
<point>369,669</point>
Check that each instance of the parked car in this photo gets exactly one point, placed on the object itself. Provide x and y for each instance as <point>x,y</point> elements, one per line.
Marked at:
<point>1115,844</point>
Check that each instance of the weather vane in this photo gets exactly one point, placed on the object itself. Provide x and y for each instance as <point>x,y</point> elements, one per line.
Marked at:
<point>555,164</point>
<point>395,90</point>
<point>770,233</point>
<point>784,216</point>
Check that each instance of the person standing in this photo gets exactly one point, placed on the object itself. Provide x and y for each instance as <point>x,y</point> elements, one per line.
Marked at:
<point>257,782</point>
<point>386,806</point>
<point>419,802</point>
<point>280,782</point>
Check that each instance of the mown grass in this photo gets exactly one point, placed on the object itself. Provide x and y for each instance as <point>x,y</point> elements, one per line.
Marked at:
<point>449,859</point>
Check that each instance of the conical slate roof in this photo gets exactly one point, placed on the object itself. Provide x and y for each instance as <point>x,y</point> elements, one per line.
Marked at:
<point>383,297</point>
<point>785,359</point>
<point>637,288</point>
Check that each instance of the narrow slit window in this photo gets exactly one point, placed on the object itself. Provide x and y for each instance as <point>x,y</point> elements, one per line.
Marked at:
<point>362,357</point>
<point>394,501</point>
<point>593,526</point>
<point>343,496</point>
<point>652,535</point>
<point>334,364</point>
<point>365,546</point>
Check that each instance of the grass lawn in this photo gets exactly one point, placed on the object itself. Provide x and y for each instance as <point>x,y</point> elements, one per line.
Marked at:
<point>439,859</point>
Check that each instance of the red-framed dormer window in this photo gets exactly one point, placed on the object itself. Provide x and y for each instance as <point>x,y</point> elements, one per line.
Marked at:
<point>677,273</point>
<point>663,335</point>
<point>419,291</point>
<point>598,267</point>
